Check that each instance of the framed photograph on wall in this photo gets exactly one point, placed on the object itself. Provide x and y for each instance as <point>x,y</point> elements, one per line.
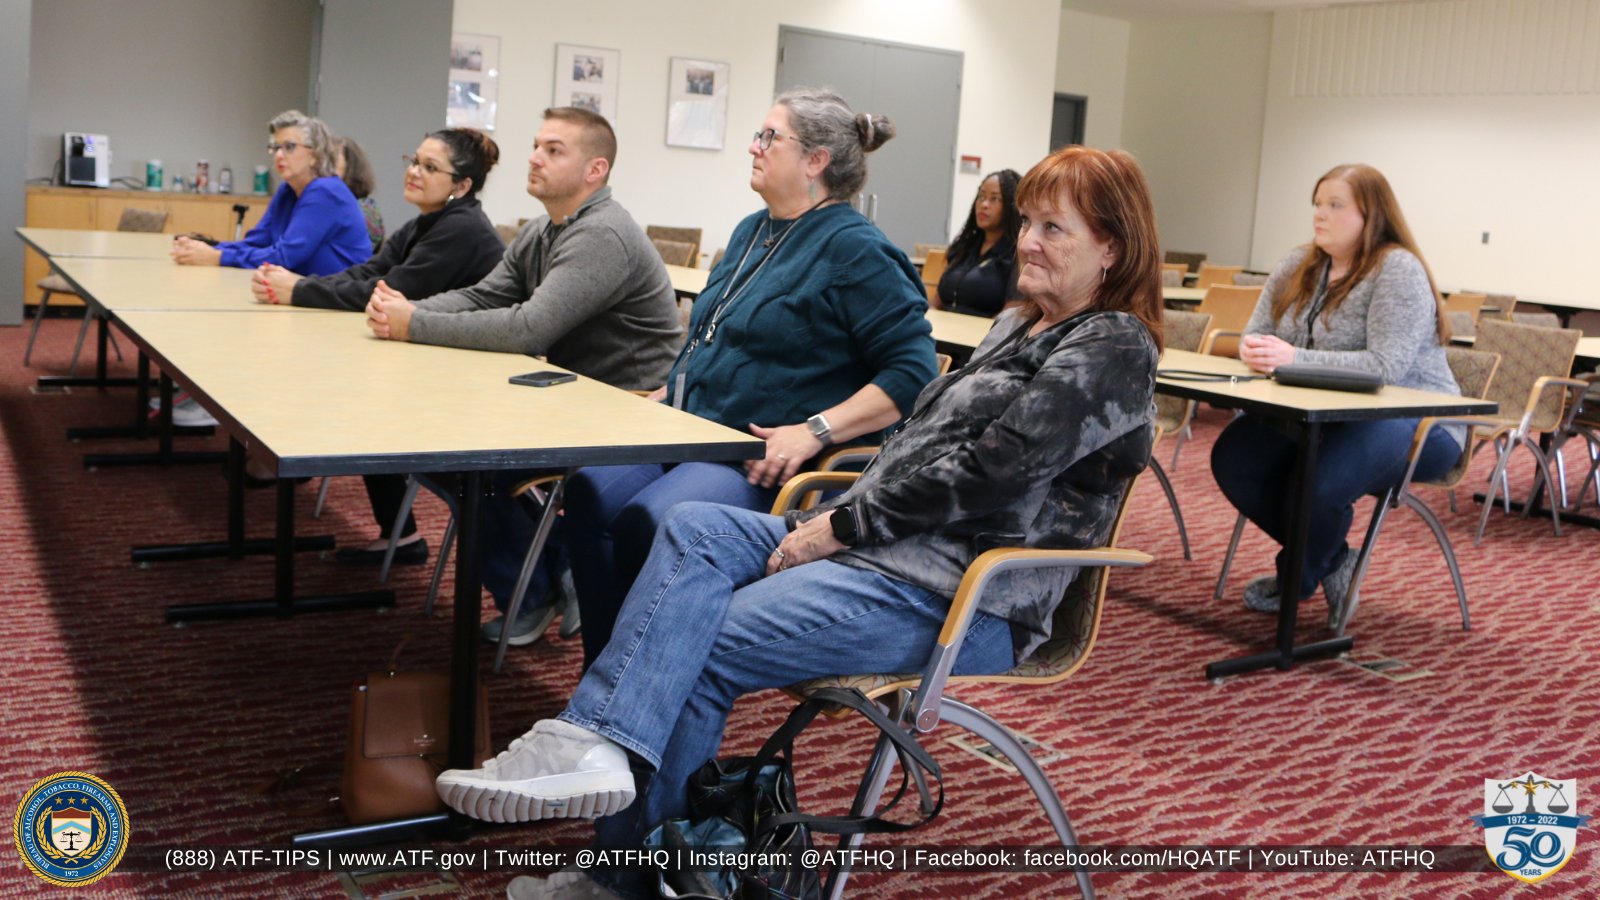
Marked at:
<point>587,77</point>
<point>474,81</point>
<point>697,103</point>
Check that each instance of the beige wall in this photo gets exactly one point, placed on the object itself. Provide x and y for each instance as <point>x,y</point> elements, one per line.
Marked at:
<point>177,80</point>
<point>1092,61</point>
<point>1010,54</point>
<point>1194,115</point>
<point>1496,128</point>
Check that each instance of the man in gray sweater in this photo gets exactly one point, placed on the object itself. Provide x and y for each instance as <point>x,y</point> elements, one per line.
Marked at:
<point>582,285</point>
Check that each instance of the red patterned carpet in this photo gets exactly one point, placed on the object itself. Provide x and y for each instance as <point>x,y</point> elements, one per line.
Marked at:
<point>187,724</point>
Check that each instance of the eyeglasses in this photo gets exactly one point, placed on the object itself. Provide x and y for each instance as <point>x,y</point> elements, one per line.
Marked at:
<point>765,137</point>
<point>428,168</point>
<point>287,146</point>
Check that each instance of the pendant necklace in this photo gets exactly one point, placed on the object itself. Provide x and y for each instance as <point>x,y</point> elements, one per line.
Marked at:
<point>735,287</point>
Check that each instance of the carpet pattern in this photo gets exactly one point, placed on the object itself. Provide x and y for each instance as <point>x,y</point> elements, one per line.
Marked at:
<point>188,724</point>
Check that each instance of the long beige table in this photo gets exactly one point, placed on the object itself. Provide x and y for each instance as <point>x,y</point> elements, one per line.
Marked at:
<point>62,242</point>
<point>687,282</point>
<point>959,329</point>
<point>1173,294</point>
<point>1304,411</point>
<point>121,285</point>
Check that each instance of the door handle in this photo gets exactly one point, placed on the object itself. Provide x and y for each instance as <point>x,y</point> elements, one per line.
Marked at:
<point>872,208</point>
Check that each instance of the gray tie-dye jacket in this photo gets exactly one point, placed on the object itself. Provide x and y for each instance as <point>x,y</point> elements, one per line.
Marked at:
<point>1029,445</point>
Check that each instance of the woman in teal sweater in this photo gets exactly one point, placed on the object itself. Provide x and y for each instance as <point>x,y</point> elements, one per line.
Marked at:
<point>812,331</point>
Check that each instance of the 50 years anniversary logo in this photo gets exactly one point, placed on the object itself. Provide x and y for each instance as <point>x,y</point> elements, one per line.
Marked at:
<point>71,828</point>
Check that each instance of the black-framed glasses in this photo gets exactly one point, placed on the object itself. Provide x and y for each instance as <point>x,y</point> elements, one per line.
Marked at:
<point>765,136</point>
<point>428,168</point>
<point>286,146</point>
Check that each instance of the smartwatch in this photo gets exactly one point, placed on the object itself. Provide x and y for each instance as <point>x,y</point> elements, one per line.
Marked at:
<point>846,530</point>
<point>820,429</point>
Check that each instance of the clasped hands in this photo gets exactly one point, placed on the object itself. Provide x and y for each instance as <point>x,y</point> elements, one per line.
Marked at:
<point>272,283</point>
<point>1265,353</point>
<point>186,251</point>
<point>389,313</point>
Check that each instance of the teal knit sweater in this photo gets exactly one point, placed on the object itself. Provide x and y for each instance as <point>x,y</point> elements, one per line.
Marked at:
<point>835,308</point>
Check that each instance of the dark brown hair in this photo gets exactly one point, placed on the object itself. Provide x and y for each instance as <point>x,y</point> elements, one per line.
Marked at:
<point>1383,230</point>
<point>357,170</point>
<point>472,154</point>
<point>598,138</point>
<point>1108,189</point>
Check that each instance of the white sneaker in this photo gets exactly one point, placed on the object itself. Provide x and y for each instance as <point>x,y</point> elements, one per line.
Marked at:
<point>555,771</point>
<point>190,414</point>
<point>570,883</point>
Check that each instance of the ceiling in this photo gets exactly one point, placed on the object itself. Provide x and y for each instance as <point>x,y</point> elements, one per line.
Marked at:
<point>1163,9</point>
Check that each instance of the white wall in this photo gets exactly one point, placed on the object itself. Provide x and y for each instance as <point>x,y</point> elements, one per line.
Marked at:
<point>1009,47</point>
<point>1484,116</point>
<point>1092,61</point>
<point>176,80</point>
<point>1194,115</point>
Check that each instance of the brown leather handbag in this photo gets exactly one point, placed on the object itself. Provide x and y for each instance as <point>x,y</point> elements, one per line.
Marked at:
<point>399,738</point>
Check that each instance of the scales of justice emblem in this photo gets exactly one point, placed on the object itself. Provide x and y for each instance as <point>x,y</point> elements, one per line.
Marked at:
<point>1529,824</point>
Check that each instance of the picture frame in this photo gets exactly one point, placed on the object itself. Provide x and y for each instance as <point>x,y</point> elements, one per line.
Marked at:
<point>588,78</point>
<point>474,90</point>
<point>697,103</point>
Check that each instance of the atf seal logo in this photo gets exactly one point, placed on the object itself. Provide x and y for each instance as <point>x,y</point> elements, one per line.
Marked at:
<point>71,829</point>
<point>1530,825</point>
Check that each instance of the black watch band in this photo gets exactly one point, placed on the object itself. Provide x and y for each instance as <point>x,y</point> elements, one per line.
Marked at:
<point>846,530</point>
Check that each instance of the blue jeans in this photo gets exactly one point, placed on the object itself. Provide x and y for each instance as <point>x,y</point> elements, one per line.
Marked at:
<point>1253,463</point>
<point>612,514</point>
<point>703,626</point>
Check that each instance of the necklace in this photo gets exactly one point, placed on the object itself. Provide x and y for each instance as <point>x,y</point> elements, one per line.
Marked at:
<point>735,288</point>
<point>770,240</point>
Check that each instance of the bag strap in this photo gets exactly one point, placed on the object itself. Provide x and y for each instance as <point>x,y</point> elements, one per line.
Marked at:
<point>914,760</point>
<point>1197,375</point>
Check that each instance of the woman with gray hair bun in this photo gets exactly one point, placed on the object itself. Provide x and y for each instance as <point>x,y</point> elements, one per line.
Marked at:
<point>811,332</point>
<point>313,226</point>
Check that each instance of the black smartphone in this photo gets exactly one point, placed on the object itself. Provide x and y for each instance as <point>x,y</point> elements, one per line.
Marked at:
<point>543,379</point>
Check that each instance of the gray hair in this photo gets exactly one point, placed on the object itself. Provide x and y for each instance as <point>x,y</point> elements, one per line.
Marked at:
<point>822,119</point>
<point>318,137</point>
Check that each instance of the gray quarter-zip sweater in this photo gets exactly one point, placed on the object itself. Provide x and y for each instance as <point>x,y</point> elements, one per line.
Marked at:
<point>591,294</point>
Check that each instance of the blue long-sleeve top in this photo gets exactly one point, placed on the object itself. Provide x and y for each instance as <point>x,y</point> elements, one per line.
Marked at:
<point>318,232</point>
<point>836,307</point>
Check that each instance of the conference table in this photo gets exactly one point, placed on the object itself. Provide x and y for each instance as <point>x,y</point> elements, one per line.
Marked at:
<point>1303,412</point>
<point>311,392</point>
<point>687,283</point>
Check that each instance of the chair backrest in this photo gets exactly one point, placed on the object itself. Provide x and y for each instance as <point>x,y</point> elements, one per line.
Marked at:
<point>1250,279</point>
<point>923,249</point>
<point>1178,269</point>
<point>1537,319</point>
<point>1191,261</point>
<point>150,221</point>
<point>943,361</point>
<point>1230,307</point>
<point>717,256</point>
<point>508,233</point>
<point>1526,353</point>
<point>690,236</point>
<point>1498,306</point>
<point>1183,331</point>
<point>1210,274</point>
<point>1474,371</point>
<point>932,271</point>
<point>1461,324</point>
<point>1462,301</point>
<point>1171,276</point>
<point>674,253</point>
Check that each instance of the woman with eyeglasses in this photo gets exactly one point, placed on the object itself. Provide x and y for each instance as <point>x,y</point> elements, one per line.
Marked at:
<point>451,244</point>
<point>313,225</point>
<point>811,332</point>
<point>981,278</point>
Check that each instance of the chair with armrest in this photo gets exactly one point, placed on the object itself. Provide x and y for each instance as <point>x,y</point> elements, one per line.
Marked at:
<point>1211,274</point>
<point>853,459</point>
<point>1534,366</point>
<point>1250,279</point>
<point>919,249</point>
<point>133,219</point>
<point>674,253</point>
<point>1474,371</point>
<point>1465,302</point>
<point>690,236</point>
<point>1230,307</point>
<point>917,700</point>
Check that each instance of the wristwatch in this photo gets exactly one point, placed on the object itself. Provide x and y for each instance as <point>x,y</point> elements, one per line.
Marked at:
<point>819,428</point>
<point>846,530</point>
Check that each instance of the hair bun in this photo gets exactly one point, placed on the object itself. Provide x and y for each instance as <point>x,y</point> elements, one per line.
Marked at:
<point>873,130</point>
<point>491,150</point>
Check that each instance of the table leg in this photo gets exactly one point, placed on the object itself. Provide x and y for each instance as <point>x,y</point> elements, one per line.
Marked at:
<point>165,455</point>
<point>99,378</point>
<point>141,415</point>
<point>1283,656</point>
<point>464,643</point>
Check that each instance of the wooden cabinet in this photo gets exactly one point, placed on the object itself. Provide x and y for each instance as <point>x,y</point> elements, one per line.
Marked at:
<point>100,210</point>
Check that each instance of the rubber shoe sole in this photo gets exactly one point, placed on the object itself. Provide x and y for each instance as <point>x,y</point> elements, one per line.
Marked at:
<point>577,795</point>
<point>542,617</point>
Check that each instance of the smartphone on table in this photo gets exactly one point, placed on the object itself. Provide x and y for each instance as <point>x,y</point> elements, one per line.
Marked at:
<point>543,379</point>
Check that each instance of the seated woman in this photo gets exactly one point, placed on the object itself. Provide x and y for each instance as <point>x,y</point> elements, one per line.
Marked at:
<point>450,244</point>
<point>313,225</point>
<point>1033,443</point>
<point>812,331</point>
<point>980,274</point>
<point>1358,295</point>
<point>355,171</point>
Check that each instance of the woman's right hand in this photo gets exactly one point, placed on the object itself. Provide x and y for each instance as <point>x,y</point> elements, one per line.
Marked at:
<point>1265,353</point>
<point>659,395</point>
